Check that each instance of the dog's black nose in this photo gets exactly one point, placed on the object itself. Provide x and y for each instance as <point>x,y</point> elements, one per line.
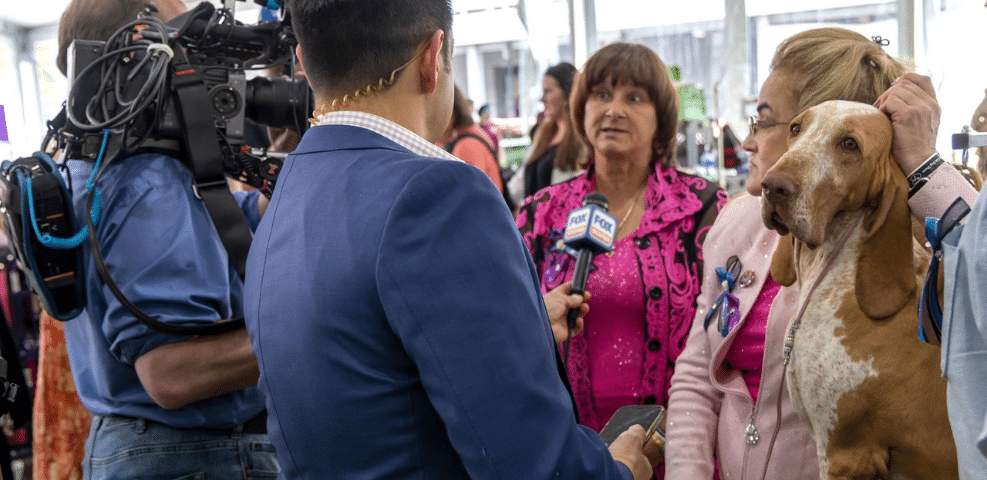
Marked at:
<point>778,186</point>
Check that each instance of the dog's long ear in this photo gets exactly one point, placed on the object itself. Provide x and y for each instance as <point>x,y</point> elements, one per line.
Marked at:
<point>783,261</point>
<point>886,271</point>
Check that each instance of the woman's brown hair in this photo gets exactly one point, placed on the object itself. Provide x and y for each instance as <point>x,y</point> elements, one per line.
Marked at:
<point>462,111</point>
<point>632,64</point>
<point>570,154</point>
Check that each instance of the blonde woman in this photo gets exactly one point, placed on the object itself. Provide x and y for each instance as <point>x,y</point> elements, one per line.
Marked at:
<point>726,400</point>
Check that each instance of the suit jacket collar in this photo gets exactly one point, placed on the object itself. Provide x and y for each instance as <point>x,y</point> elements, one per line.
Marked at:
<point>327,138</point>
<point>405,139</point>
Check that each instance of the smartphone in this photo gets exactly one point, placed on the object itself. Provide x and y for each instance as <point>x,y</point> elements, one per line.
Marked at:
<point>649,417</point>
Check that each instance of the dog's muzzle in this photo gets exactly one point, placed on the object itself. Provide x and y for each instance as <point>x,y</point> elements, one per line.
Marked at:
<point>777,191</point>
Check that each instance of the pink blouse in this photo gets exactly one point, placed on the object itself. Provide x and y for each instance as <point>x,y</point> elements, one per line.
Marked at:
<point>615,331</point>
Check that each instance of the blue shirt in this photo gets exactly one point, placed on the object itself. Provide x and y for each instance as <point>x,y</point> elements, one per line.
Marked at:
<point>964,339</point>
<point>163,252</point>
<point>398,325</point>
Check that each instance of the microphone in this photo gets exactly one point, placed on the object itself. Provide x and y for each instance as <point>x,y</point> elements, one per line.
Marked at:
<point>590,230</point>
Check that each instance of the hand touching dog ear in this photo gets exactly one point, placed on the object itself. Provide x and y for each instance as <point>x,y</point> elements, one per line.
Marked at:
<point>911,104</point>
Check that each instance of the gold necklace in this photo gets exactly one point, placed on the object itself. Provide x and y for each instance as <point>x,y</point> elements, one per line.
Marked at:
<point>628,215</point>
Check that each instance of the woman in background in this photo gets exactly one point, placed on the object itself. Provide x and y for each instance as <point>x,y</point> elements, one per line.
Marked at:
<point>467,141</point>
<point>555,154</point>
<point>491,129</point>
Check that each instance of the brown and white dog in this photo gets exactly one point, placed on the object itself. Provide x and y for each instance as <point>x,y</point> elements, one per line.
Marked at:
<point>870,391</point>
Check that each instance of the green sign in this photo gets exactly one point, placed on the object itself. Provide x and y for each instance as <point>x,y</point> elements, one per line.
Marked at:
<point>692,103</point>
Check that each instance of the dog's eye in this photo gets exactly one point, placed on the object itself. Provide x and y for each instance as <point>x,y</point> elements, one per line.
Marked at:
<point>795,128</point>
<point>849,143</point>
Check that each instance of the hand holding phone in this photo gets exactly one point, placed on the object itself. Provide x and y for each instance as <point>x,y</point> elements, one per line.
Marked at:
<point>649,417</point>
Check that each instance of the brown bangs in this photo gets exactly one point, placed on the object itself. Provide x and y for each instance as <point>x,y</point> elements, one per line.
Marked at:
<point>631,64</point>
<point>625,65</point>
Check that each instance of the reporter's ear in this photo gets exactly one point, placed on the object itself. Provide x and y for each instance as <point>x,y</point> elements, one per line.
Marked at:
<point>431,62</point>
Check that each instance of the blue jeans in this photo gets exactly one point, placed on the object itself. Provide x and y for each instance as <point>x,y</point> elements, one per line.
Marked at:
<point>123,448</point>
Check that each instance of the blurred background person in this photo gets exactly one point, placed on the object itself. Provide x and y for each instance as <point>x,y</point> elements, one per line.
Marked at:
<point>727,399</point>
<point>491,129</point>
<point>555,154</point>
<point>643,294</point>
<point>467,141</point>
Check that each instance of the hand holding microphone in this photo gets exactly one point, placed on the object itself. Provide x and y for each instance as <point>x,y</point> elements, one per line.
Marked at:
<point>590,230</point>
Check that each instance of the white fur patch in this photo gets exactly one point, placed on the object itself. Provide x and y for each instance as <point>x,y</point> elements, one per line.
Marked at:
<point>821,371</point>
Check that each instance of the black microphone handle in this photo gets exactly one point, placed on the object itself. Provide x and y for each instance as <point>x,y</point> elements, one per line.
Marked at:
<point>579,276</point>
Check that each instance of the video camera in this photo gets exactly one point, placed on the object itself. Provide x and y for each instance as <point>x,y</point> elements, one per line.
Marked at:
<point>178,88</point>
<point>136,82</point>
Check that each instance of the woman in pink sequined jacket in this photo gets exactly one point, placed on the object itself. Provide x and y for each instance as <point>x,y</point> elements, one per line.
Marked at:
<point>728,399</point>
<point>625,109</point>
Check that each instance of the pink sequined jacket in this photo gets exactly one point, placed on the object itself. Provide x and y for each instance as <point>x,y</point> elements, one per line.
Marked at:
<point>680,208</point>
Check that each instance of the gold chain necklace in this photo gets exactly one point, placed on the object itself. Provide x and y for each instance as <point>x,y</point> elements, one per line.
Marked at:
<point>628,214</point>
<point>631,208</point>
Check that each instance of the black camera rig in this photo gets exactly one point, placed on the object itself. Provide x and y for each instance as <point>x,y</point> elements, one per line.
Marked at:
<point>178,88</point>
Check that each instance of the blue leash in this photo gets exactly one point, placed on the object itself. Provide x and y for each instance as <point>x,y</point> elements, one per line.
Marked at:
<point>929,309</point>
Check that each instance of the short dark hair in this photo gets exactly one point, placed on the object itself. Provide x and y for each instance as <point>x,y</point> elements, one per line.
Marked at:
<point>93,20</point>
<point>632,64</point>
<point>349,44</point>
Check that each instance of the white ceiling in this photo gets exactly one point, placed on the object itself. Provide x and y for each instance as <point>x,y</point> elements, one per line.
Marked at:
<point>40,13</point>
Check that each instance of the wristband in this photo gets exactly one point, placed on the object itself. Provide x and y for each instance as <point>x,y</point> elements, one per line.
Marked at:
<point>921,175</point>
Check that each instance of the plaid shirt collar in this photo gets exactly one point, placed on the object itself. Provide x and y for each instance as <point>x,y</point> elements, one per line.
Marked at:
<point>387,129</point>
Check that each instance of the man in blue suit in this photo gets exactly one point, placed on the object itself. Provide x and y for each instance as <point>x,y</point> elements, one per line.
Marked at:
<point>392,305</point>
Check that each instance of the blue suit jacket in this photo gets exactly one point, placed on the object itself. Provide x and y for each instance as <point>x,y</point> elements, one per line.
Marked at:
<point>398,325</point>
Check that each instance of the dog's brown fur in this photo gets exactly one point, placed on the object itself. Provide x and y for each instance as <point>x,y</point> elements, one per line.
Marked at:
<point>894,421</point>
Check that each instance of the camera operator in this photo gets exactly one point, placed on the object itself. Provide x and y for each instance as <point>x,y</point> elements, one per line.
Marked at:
<point>165,406</point>
<point>393,307</point>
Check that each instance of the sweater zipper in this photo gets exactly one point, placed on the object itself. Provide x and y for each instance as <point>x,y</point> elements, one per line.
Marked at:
<point>751,437</point>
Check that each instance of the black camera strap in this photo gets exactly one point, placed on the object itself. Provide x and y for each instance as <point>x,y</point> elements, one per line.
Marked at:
<point>206,162</point>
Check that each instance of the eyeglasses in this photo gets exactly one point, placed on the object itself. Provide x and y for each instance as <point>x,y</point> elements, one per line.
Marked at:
<point>756,124</point>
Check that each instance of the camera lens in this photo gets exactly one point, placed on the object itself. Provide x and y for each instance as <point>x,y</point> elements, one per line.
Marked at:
<point>279,102</point>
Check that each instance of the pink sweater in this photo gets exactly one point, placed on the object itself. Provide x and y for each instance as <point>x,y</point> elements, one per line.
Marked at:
<point>710,404</point>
